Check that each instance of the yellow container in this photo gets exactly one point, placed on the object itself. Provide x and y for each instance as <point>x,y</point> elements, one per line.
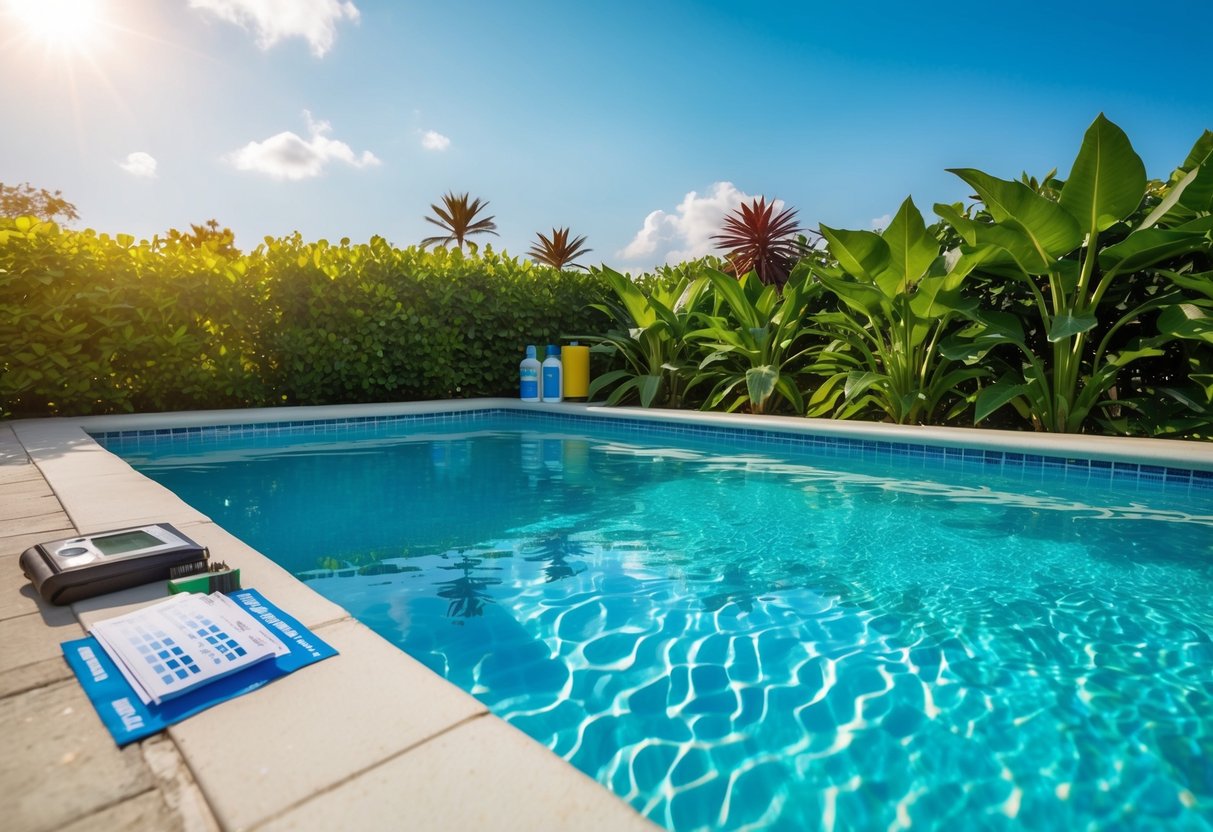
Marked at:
<point>576,364</point>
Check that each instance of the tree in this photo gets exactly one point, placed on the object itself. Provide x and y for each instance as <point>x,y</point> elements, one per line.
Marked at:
<point>457,217</point>
<point>26,201</point>
<point>558,251</point>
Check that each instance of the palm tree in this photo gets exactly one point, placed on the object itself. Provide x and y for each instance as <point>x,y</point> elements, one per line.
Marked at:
<point>558,251</point>
<point>457,217</point>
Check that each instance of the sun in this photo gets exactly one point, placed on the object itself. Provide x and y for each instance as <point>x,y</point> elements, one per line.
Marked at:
<point>60,25</point>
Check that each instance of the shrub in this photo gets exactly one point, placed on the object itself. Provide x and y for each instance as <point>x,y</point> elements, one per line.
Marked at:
<point>96,324</point>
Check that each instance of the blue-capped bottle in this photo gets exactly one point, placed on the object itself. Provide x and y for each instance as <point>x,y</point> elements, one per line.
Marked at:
<point>553,375</point>
<point>528,376</point>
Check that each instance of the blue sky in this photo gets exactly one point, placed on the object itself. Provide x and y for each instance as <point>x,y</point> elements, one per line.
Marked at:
<point>637,124</point>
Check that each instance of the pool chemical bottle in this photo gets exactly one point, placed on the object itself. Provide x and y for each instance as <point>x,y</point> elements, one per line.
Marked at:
<point>575,364</point>
<point>528,377</point>
<point>553,375</point>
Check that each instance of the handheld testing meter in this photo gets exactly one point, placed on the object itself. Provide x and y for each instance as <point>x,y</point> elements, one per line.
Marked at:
<point>63,571</point>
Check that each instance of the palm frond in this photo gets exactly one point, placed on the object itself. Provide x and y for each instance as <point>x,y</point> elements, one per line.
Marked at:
<point>457,216</point>
<point>557,251</point>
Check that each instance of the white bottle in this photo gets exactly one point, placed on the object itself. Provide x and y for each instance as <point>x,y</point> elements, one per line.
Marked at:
<point>528,377</point>
<point>553,375</point>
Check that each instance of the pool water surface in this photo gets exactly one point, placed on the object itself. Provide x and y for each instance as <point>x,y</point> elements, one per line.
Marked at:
<point>742,637</point>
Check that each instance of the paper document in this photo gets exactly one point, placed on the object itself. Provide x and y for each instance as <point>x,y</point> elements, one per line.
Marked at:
<point>184,642</point>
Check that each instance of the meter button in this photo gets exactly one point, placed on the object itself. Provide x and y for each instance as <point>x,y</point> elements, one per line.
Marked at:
<point>72,552</point>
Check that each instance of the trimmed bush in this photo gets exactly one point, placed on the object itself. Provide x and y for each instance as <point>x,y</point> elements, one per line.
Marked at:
<point>96,324</point>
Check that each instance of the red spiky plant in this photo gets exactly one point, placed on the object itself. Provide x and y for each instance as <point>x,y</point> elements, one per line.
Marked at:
<point>558,251</point>
<point>755,238</point>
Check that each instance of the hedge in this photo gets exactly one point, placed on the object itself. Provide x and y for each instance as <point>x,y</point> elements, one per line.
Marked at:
<point>91,323</point>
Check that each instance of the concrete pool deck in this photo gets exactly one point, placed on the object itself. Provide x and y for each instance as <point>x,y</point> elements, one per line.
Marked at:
<point>370,739</point>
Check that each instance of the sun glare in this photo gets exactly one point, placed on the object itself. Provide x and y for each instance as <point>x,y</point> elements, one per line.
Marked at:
<point>63,25</point>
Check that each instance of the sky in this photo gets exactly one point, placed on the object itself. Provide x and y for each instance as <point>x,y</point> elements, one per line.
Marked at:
<point>637,124</point>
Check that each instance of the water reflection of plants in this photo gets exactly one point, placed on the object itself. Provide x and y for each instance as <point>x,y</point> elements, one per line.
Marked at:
<point>468,594</point>
<point>556,550</point>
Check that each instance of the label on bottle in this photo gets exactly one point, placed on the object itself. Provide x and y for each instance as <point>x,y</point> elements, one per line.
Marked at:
<point>551,383</point>
<point>529,383</point>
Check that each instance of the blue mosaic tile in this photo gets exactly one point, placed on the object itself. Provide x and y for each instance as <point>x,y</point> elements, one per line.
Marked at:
<point>1013,464</point>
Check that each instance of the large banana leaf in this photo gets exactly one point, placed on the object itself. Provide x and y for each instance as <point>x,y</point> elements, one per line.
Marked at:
<point>1143,248</point>
<point>861,253</point>
<point>1189,321</point>
<point>1198,195</point>
<point>1107,181</point>
<point>911,251</point>
<point>1048,228</point>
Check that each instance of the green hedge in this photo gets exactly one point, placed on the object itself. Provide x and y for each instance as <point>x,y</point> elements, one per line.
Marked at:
<point>96,324</point>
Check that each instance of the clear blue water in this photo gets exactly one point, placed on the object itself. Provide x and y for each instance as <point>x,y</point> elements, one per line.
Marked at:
<point>740,639</point>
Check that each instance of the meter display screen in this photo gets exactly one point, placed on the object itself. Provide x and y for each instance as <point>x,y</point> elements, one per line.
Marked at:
<point>118,544</point>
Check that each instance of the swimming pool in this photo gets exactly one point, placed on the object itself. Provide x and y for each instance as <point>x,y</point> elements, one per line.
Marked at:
<point>752,629</point>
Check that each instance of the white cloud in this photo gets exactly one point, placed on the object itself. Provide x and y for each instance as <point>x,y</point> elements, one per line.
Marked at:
<point>433,140</point>
<point>289,156</point>
<point>272,20</point>
<point>686,233</point>
<point>139,164</point>
<point>882,222</point>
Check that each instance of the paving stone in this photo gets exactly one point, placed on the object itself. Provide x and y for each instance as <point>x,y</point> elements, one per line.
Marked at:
<point>17,595</point>
<point>482,774</point>
<point>32,525</point>
<point>12,452</point>
<point>60,764</point>
<point>33,638</point>
<point>15,544</point>
<point>176,785</point>
<point>16,507</point>
<point>260,754</point>
<point>146,811</point>
<point>28,487</point>
<point>15,472</point>
<point>36,675</point>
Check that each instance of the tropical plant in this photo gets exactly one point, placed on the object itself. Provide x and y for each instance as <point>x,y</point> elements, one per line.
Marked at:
<point>457,217</point>
<point>1173,394</point>
<point>1070,255</point>
<point>558,251</point>
<point>900,296</point>
<point>649,336</point>
<point>755,347</point>
<point>25,200</point>
<point>757,239</point>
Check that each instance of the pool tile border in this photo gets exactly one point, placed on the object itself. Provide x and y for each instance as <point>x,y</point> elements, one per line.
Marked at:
<point>1132,475</point>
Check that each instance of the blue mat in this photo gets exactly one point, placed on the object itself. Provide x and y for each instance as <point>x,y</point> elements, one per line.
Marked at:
<point>128,719</point>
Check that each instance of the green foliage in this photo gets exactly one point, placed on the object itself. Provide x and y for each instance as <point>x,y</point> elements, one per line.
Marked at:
<point>94,324</point>
<point>753,342</point>
<point>647,342</point>
<point>373,322</point>
<point>900,296</point>
<point>1075,305</point>
<point>200,235</point>
<point>1081,262</point>
<point>25,200</point>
